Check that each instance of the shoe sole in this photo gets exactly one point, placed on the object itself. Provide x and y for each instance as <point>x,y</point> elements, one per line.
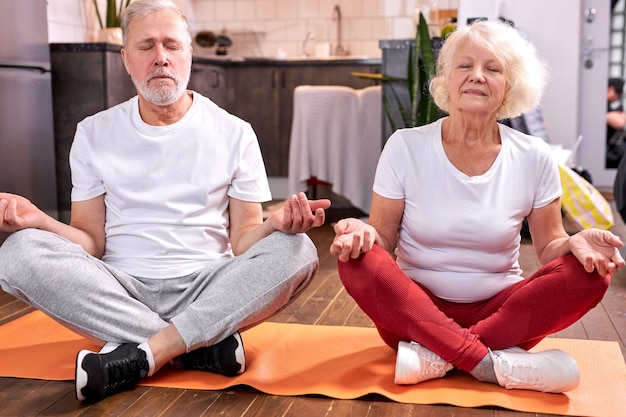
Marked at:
<point>403,364</point>
<point>409,363</point>
<point>240,354</point>
<point>81,376</point>
<point>555,357</point>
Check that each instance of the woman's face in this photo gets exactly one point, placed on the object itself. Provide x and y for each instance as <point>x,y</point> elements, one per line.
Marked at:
<point>477,81</point>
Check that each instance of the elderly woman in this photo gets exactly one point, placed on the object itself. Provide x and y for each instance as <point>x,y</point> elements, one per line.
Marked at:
<point>449,200</point>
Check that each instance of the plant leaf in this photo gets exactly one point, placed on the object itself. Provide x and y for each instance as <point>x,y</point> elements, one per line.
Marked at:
<point>111,14</point>
<point>389,113</point>
<point>420,68</point>
<point>376,77</point>
<point>95,5</point>
<point>406,117</point>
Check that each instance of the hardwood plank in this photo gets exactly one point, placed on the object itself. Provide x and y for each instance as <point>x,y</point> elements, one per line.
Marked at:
<point>472,412</point>
<point>598,325</point>
<point>269,405</point>
<point>153,402</point>
<point>5,298</point>
<point>309,406</point>
<point>115,405</point>
<point>190,403</point>
<point>67,405</point>
<point>389,409</point>
<point>358,318</point>
<point>507,413</point>
<point>527,260</point>
<point>319,301</point>
<point>11,308</point>
<point>575,331</point>
<point>311,303</point>
<point>615,307</point>
<point>25,397</point>
<point>232,402</point>
<point>351,408</point>
<point>339,310</point>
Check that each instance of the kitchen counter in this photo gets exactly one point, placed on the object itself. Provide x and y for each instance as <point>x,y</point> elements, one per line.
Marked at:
<point>287,62</point>
<point>84,47</point>
<point>230,60</point>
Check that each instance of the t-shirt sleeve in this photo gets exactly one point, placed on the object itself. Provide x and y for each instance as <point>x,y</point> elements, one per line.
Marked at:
<point>250,182</point>
<point>549,183</point>
<point>389,171</point>
<point>86,184</point>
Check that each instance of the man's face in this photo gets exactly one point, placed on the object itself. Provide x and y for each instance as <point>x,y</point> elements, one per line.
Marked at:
<point>157,55</point>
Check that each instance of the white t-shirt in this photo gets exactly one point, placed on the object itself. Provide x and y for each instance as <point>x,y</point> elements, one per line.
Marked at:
<point>460,235</point>
<point>166,187</point>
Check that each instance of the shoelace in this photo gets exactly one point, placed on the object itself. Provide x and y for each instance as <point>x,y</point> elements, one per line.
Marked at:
<point>435,365</point>
<point>522,373</point>
<point>126,373</point>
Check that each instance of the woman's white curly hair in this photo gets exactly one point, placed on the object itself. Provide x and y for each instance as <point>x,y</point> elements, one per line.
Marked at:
<point>526,72</point>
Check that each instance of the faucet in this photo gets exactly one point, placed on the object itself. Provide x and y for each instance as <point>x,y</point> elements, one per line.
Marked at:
<point>340,50</point>
<point>308,45</point>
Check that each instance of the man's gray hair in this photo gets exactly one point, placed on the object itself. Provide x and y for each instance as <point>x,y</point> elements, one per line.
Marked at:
<point>141,8</point>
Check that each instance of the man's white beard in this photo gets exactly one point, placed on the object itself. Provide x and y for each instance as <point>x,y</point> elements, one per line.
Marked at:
<point>161,93</point>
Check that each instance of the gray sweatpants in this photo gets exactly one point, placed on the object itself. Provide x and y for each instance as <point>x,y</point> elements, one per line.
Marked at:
<point>105,304</point>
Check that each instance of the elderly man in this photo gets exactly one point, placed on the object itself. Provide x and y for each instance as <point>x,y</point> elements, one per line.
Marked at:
<point>167,256</point>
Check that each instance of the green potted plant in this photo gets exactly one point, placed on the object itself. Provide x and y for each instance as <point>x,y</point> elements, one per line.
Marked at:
<point>420,108</point>
<point>113,13</point>
<point>110,30</point>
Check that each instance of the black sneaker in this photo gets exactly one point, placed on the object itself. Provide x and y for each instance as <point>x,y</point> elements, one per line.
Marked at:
<point>99,375</point>
<point>225,358</point>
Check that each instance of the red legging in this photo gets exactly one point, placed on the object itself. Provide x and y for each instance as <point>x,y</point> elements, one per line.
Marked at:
<point>553,298</point>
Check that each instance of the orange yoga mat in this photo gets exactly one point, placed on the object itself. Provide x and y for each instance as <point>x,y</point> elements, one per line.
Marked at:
<point>338,362</point>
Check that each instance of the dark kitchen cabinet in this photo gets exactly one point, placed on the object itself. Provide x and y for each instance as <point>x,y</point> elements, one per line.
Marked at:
<point>86,78</point>
<point>263,95</point>
<point>210,81</point>
<point>253,97</point>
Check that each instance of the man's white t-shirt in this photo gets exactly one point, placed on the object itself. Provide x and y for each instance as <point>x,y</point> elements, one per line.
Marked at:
<point>460,235</point>
<point>167,188</point>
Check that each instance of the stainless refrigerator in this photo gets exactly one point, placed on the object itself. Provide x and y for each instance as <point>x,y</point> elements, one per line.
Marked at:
<point>27,161</point>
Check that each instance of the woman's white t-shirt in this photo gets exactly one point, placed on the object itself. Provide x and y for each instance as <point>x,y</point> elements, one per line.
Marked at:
<point>166,188</point>
<point>460,235</point>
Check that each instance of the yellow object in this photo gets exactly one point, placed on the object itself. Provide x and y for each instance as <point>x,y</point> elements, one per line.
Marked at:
<point>582,203</point>
<point>447,30</point>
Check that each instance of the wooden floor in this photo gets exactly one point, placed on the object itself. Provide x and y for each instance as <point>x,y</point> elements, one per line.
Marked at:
<point>324,302</point>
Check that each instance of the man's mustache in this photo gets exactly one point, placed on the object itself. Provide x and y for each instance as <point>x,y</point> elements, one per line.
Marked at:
<point>161,73</point>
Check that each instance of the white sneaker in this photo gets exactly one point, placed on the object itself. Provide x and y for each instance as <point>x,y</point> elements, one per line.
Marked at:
<point>551,370</point>
<point>415,363</point>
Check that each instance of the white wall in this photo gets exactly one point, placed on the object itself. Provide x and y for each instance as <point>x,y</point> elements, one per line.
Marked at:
<point>284,24</point>
<point>281,23</point>
<point>71,21</point>
<point>560,50</point>
<point>592,88</point>
<point>561,99</point>
<point>76,20</point>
